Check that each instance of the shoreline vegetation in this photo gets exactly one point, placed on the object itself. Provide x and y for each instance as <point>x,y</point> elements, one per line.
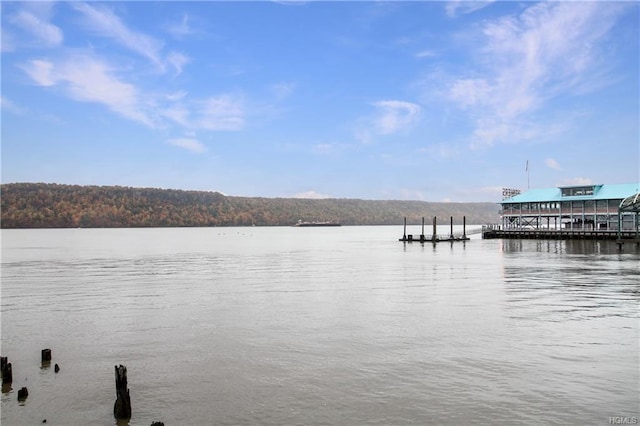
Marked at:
<point>49,205</point>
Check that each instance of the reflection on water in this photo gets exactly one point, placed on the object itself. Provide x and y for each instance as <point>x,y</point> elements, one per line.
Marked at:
<point>573,279</point>
<point>579,247</point>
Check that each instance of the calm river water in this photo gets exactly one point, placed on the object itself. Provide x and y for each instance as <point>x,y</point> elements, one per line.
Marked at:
<point>318,326</point>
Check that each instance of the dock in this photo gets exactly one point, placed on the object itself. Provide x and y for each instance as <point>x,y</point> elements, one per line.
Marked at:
<point>435,237</point>
<point>620,237</point>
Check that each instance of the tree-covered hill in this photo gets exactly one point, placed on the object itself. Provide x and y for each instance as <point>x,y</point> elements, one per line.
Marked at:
<point>40,205</point>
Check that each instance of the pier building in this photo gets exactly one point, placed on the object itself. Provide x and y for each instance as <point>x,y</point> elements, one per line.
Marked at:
<point>607,211</point>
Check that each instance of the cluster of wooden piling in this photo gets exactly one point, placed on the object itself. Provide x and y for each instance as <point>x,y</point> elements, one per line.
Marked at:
<point>6,368</point>
<point>121,408</point>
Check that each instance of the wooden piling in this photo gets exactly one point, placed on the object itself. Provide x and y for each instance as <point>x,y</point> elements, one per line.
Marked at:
<point>122,406</point>
<point>56,368</point>
<point>464,227</point>
<point>23,394</point>
<point>3,362</point>
<point>46,355</point>
<point>451,227</point>
<point>7,373</point>
<point>434,236</point>
<point>404,235</point>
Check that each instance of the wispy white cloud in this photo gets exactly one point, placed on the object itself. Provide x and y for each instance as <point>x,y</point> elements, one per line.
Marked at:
<point>217,113</point>
<point>552,164</point>
<point>455,7</point>
<point>103,21</point>
<point>311,195</point>
<point>87,79</point>
<point>550,49</point>
<point>426,54</point>
<point>177,61</point>
<point>8,105</point>
<point>181,29</point>
<point>189,144</point>
<point>176,96</point>
<point>38,26</point>
<point>395,116</point>
<point>225,112</point>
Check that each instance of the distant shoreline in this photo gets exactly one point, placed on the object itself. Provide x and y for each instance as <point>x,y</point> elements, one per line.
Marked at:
<point>40,205</point>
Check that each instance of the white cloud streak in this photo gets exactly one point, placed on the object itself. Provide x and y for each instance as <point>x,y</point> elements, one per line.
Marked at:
<point>552,164</point>
<point>8,105</point>
<point>105,22</point>
<point>220,113</point>
<point>39,27</point>
<point>189,144</point>
<point>551,49</point>
<point>311,195</point>
<point>395,116</point>
<point>85,78</point>
<point>181,29</point>
<point>455,7</point>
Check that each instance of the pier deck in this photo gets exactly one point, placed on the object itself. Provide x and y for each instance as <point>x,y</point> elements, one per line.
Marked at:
<point>561,234</point>
<point>436,238</point>
<point>432,238</point>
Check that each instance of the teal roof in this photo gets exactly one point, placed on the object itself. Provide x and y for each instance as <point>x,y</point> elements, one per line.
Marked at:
<point>601,192</point>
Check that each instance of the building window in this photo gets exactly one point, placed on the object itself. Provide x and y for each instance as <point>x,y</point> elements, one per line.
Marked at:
<point>577,191</point>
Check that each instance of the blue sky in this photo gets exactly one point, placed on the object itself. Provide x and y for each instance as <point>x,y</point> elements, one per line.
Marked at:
<point>435,101</point>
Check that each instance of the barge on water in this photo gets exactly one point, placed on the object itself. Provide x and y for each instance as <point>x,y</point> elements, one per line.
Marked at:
<point>328,223</point>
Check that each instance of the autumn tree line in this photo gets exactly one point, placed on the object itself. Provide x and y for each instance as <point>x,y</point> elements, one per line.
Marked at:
<point>41,205</point>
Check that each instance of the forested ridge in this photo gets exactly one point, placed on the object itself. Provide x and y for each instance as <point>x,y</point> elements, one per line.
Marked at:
<point>43,205</point>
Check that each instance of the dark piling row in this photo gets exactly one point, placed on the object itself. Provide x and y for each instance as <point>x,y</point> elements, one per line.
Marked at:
<point>121,408</point>
<point>7,373</point>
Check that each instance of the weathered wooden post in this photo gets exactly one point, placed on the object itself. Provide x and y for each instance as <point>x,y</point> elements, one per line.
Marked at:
<point>7,373</point>
<point>404,234</point>
<point>434,236</point>
<point>23,394</point>
<point>451,227</point>
<point>464,227</point>
<point>122,406</point>
<point>46,355</point>
<point>3,362</point>
<point>422,233</point>
<point>56,368</point>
